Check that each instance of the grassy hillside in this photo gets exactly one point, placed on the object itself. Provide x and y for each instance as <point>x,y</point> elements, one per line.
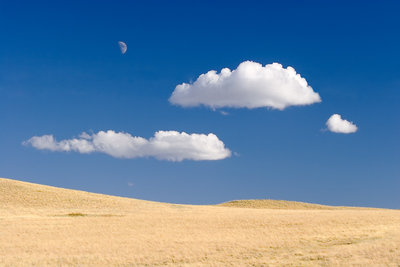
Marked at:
<point>23,197</point>
<point>281,204</point>
<point>48,226</point>
<point>275,204</point>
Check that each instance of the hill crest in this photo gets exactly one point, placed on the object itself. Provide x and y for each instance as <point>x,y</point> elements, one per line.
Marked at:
<point>19,194</point>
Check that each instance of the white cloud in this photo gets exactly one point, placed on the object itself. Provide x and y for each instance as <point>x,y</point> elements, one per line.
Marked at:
<point>251,85</point>
<point>338,125</point>
<point>164,145</point>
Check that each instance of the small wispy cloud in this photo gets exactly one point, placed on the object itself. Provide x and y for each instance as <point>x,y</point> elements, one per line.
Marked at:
<point>164,145</point>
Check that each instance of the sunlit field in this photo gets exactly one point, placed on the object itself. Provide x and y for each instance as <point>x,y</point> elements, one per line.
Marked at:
<point>48,226</point>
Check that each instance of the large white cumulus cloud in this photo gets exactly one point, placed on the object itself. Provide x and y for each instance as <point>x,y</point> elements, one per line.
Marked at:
<point>164,145</point>
<point>250,85</point>
<point>338,125</point>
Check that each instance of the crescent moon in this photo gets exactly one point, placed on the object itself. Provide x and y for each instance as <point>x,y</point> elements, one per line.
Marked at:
<point>123,47</point>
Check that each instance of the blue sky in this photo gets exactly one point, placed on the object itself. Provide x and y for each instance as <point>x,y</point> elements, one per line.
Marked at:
<point>61,73</point>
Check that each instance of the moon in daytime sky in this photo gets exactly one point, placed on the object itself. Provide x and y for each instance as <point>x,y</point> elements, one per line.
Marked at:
<point>123,47</point>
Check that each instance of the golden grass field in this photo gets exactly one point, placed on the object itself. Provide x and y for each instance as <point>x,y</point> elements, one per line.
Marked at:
<point>48,226</point>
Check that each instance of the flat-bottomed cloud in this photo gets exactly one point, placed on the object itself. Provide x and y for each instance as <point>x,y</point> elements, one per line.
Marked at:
<point>338,125</point>
<point>164,145</point>
<point>250,85</point>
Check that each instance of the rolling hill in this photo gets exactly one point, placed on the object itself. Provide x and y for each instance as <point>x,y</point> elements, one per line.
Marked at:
<point>48,226</point>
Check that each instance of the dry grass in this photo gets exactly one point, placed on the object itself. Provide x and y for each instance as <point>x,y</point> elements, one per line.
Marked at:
<point>47,226</point>
<point>278,204</point>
